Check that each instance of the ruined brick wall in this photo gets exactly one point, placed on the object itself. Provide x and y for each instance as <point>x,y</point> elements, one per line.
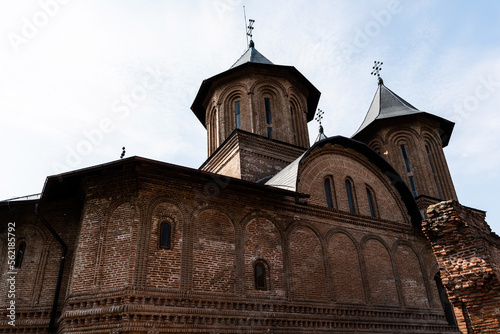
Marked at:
<point>467,254</point>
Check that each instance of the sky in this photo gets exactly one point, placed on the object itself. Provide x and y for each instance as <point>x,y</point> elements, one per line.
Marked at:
<point>79,80</point>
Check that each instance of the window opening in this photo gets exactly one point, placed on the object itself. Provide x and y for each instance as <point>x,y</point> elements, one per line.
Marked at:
<point>237,113</point>
<point>293,125</point>
<point>329,193</point>
<point>413,188</point>
<point>405,156</point>
<point>371,203</point>
<point>267,103</point>
<point>20,254</point>
<point>408,170</point>
<point>165,235</point>
<point>270,133</point>
<point>260,276</point>
<point>350,197</point>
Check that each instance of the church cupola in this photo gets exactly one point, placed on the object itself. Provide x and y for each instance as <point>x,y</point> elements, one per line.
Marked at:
<point>255,111</point>
<point>412,141</point>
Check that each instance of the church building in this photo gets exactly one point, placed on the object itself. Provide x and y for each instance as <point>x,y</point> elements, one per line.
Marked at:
<point>272,234</point>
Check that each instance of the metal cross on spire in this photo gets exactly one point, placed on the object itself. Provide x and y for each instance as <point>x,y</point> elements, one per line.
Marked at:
<point>377,67</point>
<point>319,116</point>
<point>250,28</point>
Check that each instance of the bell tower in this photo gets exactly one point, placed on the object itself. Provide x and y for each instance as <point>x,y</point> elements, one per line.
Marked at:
<point>412,141</point>
<point>256,116</point>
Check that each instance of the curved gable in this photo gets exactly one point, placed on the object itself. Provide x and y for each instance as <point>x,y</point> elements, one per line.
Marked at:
<point>341,156</point>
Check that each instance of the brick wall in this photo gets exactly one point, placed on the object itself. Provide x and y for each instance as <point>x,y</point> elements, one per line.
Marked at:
<point>467,253</point>
<point>346,271</point>
<point>327,270</point>
<point>263,242</point>
<point>341,164</point>
<point>36,278</point>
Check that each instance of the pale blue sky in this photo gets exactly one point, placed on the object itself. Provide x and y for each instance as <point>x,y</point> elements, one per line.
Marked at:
<point>81,79</point>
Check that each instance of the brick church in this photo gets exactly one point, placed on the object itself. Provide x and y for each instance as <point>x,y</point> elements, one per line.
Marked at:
<point>270,235</point>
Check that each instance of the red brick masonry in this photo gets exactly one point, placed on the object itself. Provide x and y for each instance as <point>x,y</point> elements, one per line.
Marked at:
<point>468,254</point>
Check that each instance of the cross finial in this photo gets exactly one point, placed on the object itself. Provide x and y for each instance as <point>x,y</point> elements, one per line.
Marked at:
<point>319,116</point>
<point>250,28</point>
<point>377,67</point>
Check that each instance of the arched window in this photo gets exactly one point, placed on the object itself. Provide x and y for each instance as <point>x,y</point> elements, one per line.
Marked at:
<point>294,130</point>
<point>350,195</point>
<point>213,130</point>
<point>408,170</point>
<point>269,120</point>
<point>330,192</point>
<point>267,103</point>
<point>371,202</point>
<point>237,113</point>
<point>260,275</point>
<point>20,254</point>
<point>445,302</point>
<point>166,234</point>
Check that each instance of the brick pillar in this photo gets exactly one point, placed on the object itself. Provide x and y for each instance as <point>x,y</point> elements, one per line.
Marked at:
<point>468,254</point>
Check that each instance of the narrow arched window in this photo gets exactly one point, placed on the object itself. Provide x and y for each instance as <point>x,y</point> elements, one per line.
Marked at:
<point>269,120</point>
<point>408,170</point>
<point>166,235</point>
<point>237,112</point>
<point>292,116</point>
<point>20,254</point>
<point>267,103</point>
<point>371,202</point>
<point>260,276</point>
<point>350,195</point>
<point>329,192</point>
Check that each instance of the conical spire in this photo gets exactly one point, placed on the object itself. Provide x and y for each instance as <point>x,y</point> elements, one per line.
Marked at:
<point>387,104</point>
<point>251,55</point>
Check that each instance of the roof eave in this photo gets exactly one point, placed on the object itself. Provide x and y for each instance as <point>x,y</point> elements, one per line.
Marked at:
<point>206,86</point>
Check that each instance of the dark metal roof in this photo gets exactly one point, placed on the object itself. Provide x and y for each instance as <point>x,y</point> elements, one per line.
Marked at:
<point>69,183</point>
<point>387,104</point>
<point>288,178</point>
<point>251,55</point>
